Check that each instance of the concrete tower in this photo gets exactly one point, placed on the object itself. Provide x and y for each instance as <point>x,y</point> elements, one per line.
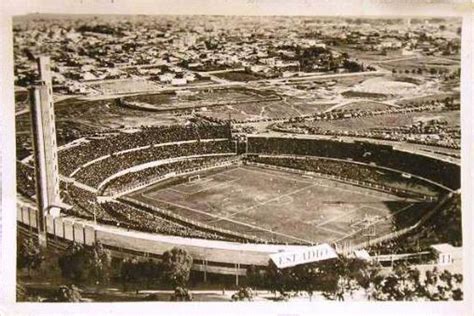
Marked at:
<point>44,145</point>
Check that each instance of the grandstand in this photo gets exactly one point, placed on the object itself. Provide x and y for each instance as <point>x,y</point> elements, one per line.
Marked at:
<point>189,181</point>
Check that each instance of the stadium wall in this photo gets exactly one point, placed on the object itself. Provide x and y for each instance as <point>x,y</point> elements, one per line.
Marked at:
<point>212,256</point>
<point>220,257</point>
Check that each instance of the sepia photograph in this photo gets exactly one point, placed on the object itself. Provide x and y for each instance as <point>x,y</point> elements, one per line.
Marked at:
<point>296,159</point>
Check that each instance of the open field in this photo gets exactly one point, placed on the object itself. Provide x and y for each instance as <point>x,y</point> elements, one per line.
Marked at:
<point>365,106</point>
<point>386,121</point>
<point>424,62</point>
<point>98,115</point>
<point>77,118</point>
<point>386,86</point>
<point>427,98</point>
<point>201,98</point>
<point>264,110</point>
<point>123,86</point>
<point>280,206</point>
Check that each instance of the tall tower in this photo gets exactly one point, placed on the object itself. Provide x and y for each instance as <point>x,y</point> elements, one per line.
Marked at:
<point>44,145</point>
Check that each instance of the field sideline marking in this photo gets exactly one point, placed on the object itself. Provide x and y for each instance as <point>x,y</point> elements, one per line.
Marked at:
<point>315,180</point>
<point>204,188</point>
<point>374,208</point>
<point>152,186</point>
<point>337,217</point>
<point>278,174</point>
<point>268,201</point>
<point>201,180</point>
<point>233,221</point>
<point>332,231</point>
<point>383,219</point>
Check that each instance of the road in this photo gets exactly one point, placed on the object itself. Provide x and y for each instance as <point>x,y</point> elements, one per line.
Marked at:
<point>221,83</point>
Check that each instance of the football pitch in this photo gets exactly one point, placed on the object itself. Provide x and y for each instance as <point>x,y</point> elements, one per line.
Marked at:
<point>280,206</point>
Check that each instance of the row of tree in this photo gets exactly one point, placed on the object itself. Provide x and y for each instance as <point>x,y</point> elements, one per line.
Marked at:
<point>172,271</point>
<point>85,265</point>
<point>337,278</point>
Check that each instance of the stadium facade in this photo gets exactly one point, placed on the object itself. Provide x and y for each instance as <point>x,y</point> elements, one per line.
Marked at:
<point>163,150</point>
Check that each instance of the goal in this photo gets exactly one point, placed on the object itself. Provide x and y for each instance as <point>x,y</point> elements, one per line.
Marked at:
<point>194,178</point>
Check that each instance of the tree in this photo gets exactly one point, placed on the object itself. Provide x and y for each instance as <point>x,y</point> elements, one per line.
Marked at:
<point>244,293</point>
<point>176,267</point>
<point>348,271</point>
<point>150,271</point>
<point>136,271</point>
<point>100,262</point>
<point>181,295</point>
<point>70,294</point>
<point>309,278</point>
<point>442,286</point>
<point>74,264</point>
<point>371,280</point>
<point>23,295</point>
<point>130,272</point>
<point>279,280</point>
<point>30,256</point>
<point>403,284</point>
<point>254,277</point>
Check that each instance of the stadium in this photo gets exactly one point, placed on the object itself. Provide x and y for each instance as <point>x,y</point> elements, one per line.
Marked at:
<point>177,158</point>
<point>232,201</point>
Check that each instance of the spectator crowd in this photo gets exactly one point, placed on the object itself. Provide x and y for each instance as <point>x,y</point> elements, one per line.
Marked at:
<point>349,170</point>
<point>99,146</point>
<point>134,179</point>
<point>439,171</point>
<point>97,172</point>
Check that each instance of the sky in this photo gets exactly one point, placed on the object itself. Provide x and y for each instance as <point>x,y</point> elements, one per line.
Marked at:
<point>241,7</point>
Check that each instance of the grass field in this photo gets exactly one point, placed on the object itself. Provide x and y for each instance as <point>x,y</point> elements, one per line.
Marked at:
<point>123,86</point>
<point>365,106</point>
<point>262,110</point>
<point>424,62</point>
<point>387,121</point>
<point>201,98</point>
<point>280,206</point>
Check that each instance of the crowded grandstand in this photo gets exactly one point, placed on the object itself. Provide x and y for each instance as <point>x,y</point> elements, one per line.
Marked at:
<point>99,173</point>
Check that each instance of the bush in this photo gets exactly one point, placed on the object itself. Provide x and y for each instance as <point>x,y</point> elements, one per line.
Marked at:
<point>244,293</point>
<point>181,295</point>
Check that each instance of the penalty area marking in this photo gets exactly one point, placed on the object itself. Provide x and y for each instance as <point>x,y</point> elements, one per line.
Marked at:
<point>197,181</point>
<point>332,219</point>
<point>382,219</point>
<point>332,231</point>
<point>317,181</point>
<point>204,187</point>
<point>309,185</point>
<point>233,221</point>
